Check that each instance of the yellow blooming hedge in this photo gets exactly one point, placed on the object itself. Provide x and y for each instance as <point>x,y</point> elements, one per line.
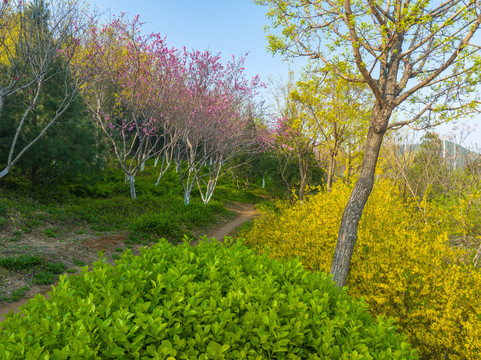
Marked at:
<point>402,265</point>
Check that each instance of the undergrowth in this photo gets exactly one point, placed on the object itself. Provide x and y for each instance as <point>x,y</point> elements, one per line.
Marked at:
<point>402,265</point>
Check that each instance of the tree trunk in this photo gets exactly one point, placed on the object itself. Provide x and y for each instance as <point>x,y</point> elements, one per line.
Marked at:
<point>4,172</point>
<point>131,179</point>
<point>303,182</point>
<point>362,189</point>
<point>330,171</point>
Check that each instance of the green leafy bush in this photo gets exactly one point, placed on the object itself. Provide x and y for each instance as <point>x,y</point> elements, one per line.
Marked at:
<point>49,232</point>
<point>55,268</point>
<point>78,262</point>
<point>43,278</point>
<point>208,301</point>
<point>157,224</point>
<point>21,262</point>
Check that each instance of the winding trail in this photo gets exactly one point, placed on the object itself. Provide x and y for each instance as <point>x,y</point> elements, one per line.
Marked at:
<point>245,212</point>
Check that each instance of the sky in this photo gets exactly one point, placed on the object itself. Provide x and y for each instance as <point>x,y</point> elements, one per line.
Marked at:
<point>232,27</point>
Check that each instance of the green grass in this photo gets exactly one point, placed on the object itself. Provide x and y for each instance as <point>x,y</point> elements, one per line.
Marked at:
<point>49,232</point>
<point>21,262</point>
<point>16,294</point>
<point>40,271</point>
<point>43,278</point>
<point>78,262</point>
<point>105,205</point>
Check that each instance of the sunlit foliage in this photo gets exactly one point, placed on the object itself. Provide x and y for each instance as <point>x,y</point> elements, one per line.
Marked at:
<point>402,265</point>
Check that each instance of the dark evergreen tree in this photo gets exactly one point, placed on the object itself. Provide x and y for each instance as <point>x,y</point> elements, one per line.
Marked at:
<point>69,147</point>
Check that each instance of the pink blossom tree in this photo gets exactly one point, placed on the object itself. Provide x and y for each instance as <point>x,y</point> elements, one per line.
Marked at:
<point>130,77</point>
<point>219,105</point>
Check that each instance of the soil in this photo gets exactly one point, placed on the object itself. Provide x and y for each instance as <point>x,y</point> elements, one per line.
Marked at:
<point>76,246</point>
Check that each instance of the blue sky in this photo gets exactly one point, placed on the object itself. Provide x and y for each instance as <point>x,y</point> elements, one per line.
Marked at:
<point>231,27</point>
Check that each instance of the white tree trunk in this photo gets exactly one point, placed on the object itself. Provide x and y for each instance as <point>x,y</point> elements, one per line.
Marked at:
<point>4,172</point>
<point>131,180</point>
<point>186,197</point>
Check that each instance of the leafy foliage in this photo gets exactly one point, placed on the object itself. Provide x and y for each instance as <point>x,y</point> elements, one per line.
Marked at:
<point>16,294</point>
<point>156,224</point>
<point>208,301</point>
<point>402,264</point>
<point>43,278</point>
<point>20,262</point>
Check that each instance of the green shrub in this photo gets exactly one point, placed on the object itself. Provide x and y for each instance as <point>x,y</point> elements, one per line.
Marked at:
<point>49,232</point>
<point>43,278</point>
<point>157,224</point>
<point>55,268</point>
<point>3,208</point>
<point>208,301</point>
<point>21,262</point>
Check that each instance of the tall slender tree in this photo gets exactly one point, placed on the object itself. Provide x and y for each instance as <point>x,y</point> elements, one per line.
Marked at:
<point>419,59</point>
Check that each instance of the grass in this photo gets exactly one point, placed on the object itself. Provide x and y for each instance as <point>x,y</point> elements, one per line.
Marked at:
<point>49,232</point>
<point>40,271</point>
<point>105,206</point>
<point>78,262</point>
<point>16,294</point>
<point>43,278</point>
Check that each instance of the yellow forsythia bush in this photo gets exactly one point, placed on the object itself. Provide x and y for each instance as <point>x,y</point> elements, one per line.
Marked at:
<point>402,265</point>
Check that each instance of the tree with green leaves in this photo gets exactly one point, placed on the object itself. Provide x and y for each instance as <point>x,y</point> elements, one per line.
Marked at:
<point>69,147</point>
<point>338,111</point>
<point>67,150</point>
<point>418,59</point>
<point>37,42</point>
<point>295,137</point>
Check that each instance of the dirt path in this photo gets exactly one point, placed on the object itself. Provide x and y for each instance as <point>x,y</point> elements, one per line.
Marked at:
<point>245,213</point>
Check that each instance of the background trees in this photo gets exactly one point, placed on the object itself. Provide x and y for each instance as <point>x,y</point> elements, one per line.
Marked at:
<point>417,59</point>
<point>338,110</point>
<point>129,81</point>
<point>154,101</point>
<point>37,45</point>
